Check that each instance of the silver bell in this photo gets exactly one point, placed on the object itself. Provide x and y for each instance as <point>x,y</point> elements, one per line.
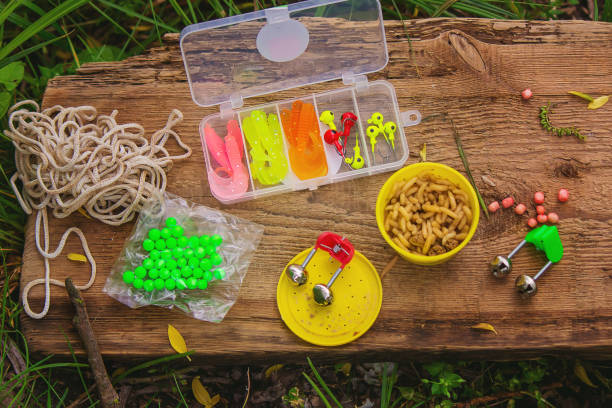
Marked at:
<point>500,266</point>
<point>297,274</point>
<point>526,286</point>
<point>322,295</point>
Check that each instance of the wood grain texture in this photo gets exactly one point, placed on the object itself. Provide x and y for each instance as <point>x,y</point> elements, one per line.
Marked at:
<point>470,69</point>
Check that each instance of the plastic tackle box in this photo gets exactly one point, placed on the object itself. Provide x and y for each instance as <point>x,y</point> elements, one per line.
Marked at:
<point>284,146</point>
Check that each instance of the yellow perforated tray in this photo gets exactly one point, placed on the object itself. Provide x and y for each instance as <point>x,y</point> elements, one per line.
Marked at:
<point>357,300</point>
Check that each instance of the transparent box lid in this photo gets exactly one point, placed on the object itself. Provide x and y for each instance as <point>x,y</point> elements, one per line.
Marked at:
<point>270,50</point>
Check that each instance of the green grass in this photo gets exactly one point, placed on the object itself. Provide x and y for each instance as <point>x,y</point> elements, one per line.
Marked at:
<point>42,39</point>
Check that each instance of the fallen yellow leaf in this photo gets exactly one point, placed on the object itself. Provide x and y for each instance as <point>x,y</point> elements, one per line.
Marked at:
<point>582,95</point>
<point>345,369</point>
<point>423,152</point>
<point>177,341</point>
<point>272,369</point>
<point>599,102</point>
<point>84,213</point>
<point>484,326</point>
<point>201,394</point>
<point>582,374</point>
<point>77,257</point>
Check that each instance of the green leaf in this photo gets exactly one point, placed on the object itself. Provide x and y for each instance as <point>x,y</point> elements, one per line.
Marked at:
<point>435,368</point>
<point>5,101</point>
<point>8,9</point>
<point>443,7</point>
<point>40,24</point>
<point>11,75</point>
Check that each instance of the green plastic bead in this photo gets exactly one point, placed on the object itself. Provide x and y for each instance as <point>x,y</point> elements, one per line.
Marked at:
<point>148,244</point>
<point>175,273</point>
<point>181,284</point>
<point>160,245</point>
<point>164,273</point>
<point>197,273</point>
<point>160,263</point>
<point>170,284</point>
<point>182,242</point>
<point>140,272</point>
<point>171,243</point>
<point>192,283</point>
<point>148,263</point>
<point>170,221</point>
<point>154,234</point>
<point>166,233</point>
<point>138,282</point>
<point>219,273</point>
<point>149,285</point>
<point>181,262</point>
<point>205,264</point>
<point>178,252</point>
<point>200,252</point>
<point>216,259</point>
<point>159,284</point>
<point>208,276</point>
<point>154,254</point>
<point>216,240</point>
<point>210,250</point>
<point>189,253</point>
<point>193,262</point>
<point>202,284</point>
<point>128,277</point>
<point>177,231</point>
<point>187,271</point>
<point>171,264</point>
<point>194,242</point>
<point>204,240</point>
<point>166,254</point>
<point>154,273</point>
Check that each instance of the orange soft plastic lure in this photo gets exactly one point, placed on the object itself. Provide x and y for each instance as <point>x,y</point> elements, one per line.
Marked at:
<point>306,151</point>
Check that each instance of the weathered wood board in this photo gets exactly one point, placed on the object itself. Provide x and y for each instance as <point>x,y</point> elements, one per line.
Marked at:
<point>470,69</point>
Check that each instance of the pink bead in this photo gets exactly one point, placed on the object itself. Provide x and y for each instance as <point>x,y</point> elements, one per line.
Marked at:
<point>542,218</point>
<point>494,206</point>
<point>540,209</point>
<point>538,197</point>
<point>507,202</point>
<point>563,195</point>
<point>532,222</point>
<point>526,94</point>
<point>553,218</point>
<point>520,209</point>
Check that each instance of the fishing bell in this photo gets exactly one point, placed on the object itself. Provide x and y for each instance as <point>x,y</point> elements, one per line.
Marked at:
<point>545,238</point>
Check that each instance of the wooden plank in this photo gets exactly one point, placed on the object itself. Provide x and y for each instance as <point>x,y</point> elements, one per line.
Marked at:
<point>470,69</point>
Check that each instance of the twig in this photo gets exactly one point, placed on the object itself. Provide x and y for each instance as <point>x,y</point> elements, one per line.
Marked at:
<point>15,357</point>
<point>388,266</point>
<point>467,169</point>
<point>246,399</point>
<point>108,395</point>
<point>82,397</point>
<point>124,394</point>
<point>476,402</point>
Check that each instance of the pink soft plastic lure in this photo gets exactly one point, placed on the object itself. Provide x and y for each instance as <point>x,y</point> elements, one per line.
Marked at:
<point>230,180</point>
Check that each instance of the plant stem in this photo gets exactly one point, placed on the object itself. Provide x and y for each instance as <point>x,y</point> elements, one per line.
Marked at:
<point>467,169</point>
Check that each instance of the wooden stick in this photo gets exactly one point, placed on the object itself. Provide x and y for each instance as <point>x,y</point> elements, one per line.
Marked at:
<point>108,395</point>
<point>388,266</point>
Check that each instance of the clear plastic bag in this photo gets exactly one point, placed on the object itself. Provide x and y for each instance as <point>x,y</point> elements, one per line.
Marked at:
<point>240,240</point>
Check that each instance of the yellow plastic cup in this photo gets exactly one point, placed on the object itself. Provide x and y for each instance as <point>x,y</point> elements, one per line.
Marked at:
<point>439,170</point>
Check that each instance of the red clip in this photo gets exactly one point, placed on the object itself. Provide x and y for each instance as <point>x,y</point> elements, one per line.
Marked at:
<point>338,247</point>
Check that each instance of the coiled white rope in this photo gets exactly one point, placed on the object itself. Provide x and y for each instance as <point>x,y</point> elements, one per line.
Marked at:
<point>70,158</point>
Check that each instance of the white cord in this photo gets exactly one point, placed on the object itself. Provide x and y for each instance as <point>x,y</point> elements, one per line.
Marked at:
<point>44,251</point>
